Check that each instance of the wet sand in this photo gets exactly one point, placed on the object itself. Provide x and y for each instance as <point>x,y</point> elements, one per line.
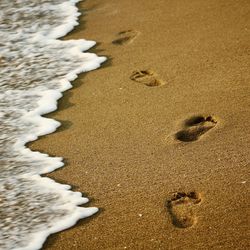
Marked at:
<point>158,137</point>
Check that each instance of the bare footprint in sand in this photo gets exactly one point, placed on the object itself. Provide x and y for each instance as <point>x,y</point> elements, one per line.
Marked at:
<point>147,77</point>
<point>195,127</point>
<point>125,37</point>
<point>180,207</point>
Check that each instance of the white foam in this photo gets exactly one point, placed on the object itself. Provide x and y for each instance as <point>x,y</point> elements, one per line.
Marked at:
<point>37,69</point>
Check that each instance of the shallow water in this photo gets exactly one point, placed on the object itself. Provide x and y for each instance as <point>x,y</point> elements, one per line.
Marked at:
<point>35,68</point>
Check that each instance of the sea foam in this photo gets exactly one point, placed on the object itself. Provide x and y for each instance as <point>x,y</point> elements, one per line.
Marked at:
<point>35,69</point>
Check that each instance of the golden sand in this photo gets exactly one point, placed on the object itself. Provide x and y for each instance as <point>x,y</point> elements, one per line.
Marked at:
<point>158,137</point>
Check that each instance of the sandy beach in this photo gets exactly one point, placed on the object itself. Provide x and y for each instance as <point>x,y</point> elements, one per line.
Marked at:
<point>158,137</point>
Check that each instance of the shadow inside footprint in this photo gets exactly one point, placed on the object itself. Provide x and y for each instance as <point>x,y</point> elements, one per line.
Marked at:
<point>147,77</point>
<point>195,127</point>
<point>125,37</point>
<point>180,207</point>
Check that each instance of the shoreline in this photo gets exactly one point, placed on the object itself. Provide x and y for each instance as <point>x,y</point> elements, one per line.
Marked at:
<point>36,68</point>
<point>118,135</point>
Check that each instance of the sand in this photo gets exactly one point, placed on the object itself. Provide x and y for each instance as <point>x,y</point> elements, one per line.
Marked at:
<point>158,137</point>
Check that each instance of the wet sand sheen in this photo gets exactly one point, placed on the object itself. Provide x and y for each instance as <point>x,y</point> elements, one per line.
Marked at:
<point>119,136</point>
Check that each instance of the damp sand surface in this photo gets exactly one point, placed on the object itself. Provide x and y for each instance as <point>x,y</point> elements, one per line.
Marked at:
<point>157,137</point>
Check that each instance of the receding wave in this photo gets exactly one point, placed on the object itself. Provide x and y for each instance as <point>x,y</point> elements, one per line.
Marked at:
<point>35,68</point>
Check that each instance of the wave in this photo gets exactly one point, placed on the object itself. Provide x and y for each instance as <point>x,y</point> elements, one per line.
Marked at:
<point>35,69</point>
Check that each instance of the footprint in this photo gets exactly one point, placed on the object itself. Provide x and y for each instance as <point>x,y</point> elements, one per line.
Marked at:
<point>125,37</point>
<point>180,207</point>
<point>195,127</point>
<point>147,77</point>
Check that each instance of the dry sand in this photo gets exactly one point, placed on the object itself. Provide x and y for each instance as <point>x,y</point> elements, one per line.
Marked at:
<point>119,136</point>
